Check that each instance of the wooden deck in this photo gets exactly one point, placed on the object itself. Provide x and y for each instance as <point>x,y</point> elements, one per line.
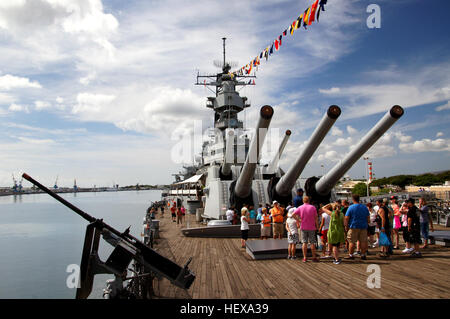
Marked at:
<point>224,270</point>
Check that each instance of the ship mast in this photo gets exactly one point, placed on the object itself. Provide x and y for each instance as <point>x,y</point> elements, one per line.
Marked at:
<point>227,102</point>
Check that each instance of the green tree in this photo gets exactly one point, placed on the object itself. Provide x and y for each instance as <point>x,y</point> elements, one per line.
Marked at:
<point>360,189</point>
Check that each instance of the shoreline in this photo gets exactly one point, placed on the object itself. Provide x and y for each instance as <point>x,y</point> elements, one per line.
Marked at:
<point>89,190</point>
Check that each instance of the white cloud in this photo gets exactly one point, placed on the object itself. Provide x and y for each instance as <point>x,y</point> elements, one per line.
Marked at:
<point>333,90</point>
<point>344,141</point>
<point>9,82</point>
<point>332,156</point>
<point>90,104</point>
<point>439,134</point>
<point>18,108</point>
<point>443,107</point>
<point>59,100</point>
<point>426,145</point>
<point>351,130</point>
<point>42,105</point>
<point>36,141</point>
<point>335,131</point>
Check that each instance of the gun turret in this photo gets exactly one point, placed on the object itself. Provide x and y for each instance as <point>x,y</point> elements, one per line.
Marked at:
<point>273,165</point>
<point>320,189</point>
<point>242,187</point>
<point>126,248</point>
<point>284,186</point>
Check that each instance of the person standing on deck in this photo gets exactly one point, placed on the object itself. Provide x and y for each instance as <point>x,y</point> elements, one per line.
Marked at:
<point>173,210</point>
<point>230,214</point>
<point>356,221</point>
<point>292,231</point>
<point>385,227</point>
<point>244,211</point>
<point>336,234</point>
<point>309,226</point>
<point>426,222</point>
<point>252,215</point>
<point>260,213</point>
<point>298,200</point>
<point>372,225</point>
<point>179,217</point>
<point>397,224</point>
<point>244,226</point>
<point>277,219</point>
<point>404,211</point>
<point>183,214</point>
<point>344,207</point>
<point>323,232</point>
<point>266,220</point>
<point>162,211</point>
<point>414,227</point>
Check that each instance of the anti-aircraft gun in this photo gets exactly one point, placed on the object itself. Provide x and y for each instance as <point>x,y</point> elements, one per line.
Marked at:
<point>147,265</point>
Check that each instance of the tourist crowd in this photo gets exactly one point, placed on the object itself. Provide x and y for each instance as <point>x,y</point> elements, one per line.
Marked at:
<point>340,225</point>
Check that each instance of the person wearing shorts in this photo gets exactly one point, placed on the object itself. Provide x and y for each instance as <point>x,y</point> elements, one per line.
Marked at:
<point>356,221</point>
<point>414,227</point>
<point>309,226</point>
<point>173,210</point>
<point>277,219</point>
<point>292,231</point>
<point>265,224</point>
<point>323,231</point>
<point>244,227</point>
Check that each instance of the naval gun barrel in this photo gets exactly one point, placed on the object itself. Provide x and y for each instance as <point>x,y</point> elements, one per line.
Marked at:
<point>326,183</point>
<point>244,182</point>
<point>287,182</point>
<point>274,163</point>
<point>229,154</point>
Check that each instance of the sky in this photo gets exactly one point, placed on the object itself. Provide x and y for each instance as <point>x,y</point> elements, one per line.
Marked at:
<point>98,91</point>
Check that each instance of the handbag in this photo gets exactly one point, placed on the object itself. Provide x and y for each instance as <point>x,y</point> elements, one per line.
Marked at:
<point>384,240</point>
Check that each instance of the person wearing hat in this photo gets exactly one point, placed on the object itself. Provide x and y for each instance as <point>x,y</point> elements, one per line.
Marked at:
<point>292,230</point>
<point>298,200</point>
<point>277,219</point>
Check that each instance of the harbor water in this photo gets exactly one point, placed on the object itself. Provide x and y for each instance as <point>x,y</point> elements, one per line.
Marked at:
<point>40,238</point>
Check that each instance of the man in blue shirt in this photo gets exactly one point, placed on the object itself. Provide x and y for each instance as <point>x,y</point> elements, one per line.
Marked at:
<point>298,200</point>
<point>356,221</point>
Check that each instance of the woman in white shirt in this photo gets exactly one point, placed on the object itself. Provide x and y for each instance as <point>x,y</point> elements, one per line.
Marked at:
<point>244,227</point>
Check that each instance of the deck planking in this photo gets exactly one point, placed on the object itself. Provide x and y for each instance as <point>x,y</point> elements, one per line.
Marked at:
<point>224,270</point>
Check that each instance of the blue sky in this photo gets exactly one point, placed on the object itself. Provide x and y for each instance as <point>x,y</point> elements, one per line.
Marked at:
<point>96,90</point>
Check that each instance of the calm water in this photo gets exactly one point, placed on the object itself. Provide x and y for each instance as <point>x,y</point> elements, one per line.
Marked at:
<point>39,238</point>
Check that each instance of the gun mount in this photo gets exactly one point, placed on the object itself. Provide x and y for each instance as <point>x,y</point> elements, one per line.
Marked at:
<point>147,262</point>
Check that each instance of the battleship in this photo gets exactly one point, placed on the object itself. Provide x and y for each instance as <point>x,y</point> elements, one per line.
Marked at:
<point>230,173</point>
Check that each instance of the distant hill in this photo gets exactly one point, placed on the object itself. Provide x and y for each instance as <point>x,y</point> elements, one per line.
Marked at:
<point>427,179</point>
